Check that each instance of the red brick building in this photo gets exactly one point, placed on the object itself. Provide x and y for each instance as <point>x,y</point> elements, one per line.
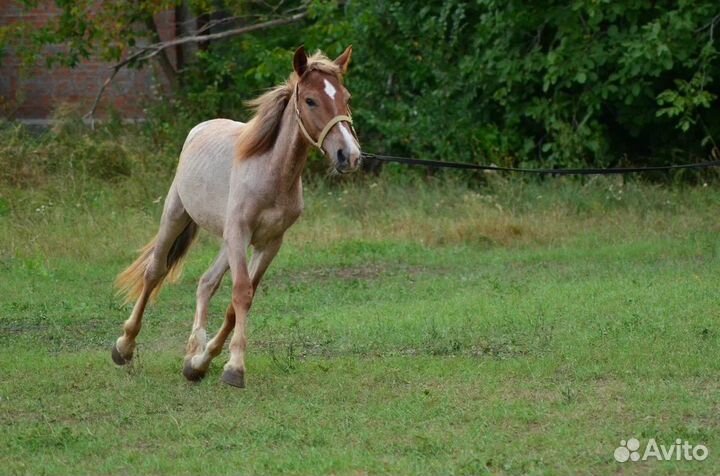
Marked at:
<point>31,96</point>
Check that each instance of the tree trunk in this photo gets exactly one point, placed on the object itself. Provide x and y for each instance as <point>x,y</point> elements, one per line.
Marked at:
<point>186,24</point>
<point>168,71</point>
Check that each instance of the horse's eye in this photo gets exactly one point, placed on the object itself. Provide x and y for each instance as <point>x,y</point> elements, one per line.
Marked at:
<point>310,102</point>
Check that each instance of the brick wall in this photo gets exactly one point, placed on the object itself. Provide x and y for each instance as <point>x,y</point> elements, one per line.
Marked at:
<point>33,95</point>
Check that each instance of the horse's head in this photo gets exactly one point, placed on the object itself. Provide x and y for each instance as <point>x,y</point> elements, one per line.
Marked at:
<point>322,108</point>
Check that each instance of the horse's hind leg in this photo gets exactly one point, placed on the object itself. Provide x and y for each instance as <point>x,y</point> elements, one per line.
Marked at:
<point>174,237</point>
<point>197,360</point>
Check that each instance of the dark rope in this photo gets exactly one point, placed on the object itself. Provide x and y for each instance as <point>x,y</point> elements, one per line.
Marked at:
<point>589,171</point>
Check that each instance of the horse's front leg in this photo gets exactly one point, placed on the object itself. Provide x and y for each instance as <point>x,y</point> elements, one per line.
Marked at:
<point>198,361</point>
<point>234,373</point>
<point>261,259</point>
<point>237,242</point>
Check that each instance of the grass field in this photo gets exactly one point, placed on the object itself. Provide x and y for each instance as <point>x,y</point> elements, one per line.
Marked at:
<point>418,329</point>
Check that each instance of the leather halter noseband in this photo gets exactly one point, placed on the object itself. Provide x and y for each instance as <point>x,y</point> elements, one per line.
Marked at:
<point>331,123</point>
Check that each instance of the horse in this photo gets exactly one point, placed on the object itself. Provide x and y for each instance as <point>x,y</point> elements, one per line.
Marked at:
<point>243,183</point>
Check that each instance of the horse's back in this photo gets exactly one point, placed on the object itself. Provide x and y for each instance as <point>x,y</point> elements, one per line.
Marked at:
<point>203,174</point>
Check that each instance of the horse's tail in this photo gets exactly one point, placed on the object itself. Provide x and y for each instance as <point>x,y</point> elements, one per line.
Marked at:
<point>130,282</point>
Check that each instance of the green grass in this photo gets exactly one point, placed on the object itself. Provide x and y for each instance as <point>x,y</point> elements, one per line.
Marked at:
<point>424,329</point>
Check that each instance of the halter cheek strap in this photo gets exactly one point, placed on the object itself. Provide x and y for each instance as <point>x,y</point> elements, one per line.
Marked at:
<point>328,127</point>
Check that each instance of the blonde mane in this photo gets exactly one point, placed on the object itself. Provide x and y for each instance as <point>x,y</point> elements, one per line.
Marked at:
<point>260,133</point>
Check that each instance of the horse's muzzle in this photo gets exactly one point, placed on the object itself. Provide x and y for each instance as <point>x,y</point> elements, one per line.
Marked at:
<point>346,163</point>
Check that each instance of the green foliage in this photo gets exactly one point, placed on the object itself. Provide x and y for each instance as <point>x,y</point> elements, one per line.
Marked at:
<point>590,82</point>
<point>566,84</point>
<point>218,81</point>
<point>543,83</point>
<point>685,101</point>
<point>71,151</point>
<point>81,28</point>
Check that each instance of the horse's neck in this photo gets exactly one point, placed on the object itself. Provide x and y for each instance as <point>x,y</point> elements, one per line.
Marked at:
<point>290,153</point>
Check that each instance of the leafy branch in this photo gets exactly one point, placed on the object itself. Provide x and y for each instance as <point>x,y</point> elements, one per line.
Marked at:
<point>145,53</point>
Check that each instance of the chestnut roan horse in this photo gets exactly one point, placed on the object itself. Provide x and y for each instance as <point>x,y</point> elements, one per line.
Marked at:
<point>243,183</point>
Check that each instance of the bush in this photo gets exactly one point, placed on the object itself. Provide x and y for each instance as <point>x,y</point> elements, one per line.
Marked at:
<point>546,83</point>
<point>72,150</point>
<point>587,83</point>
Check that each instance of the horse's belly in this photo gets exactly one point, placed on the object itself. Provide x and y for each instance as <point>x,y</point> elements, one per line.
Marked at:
<point>209,218</point>
<point>203,175</point>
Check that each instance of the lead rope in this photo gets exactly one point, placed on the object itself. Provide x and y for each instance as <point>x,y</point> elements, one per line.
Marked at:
<point>495,168</point>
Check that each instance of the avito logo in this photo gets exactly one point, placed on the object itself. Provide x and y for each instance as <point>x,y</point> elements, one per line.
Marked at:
<point>680,450</point>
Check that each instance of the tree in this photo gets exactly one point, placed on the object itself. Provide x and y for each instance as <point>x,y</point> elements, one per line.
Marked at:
<point>557,83</point>
<point>126,34</point>
<point>586,82</point>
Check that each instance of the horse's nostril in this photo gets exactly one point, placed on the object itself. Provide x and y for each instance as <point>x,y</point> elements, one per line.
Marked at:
<point>341,156</point>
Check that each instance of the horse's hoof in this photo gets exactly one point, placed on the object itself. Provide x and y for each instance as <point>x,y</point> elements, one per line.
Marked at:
<point>192,374</point>
<point>117,357</point>
<point>236,378</point>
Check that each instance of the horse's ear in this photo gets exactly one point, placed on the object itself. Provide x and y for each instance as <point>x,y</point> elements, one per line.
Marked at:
<point>300,61</point>
<point>344,59</point>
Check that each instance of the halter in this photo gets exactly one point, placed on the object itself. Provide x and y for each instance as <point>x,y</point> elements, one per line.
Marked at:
<point>331,123</point>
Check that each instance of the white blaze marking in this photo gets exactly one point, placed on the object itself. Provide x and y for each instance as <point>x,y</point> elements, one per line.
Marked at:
<point>330,89</point>
<point>349,139</point>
